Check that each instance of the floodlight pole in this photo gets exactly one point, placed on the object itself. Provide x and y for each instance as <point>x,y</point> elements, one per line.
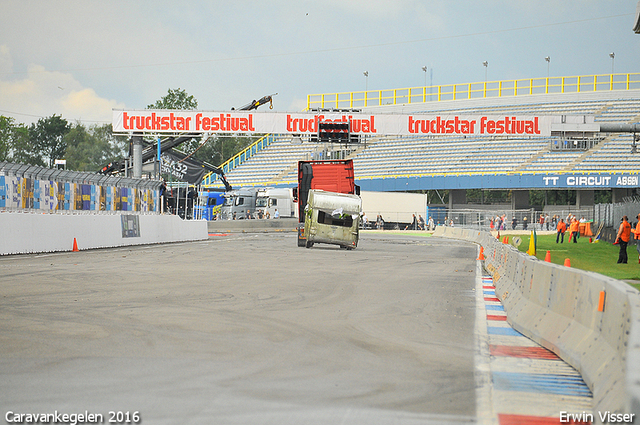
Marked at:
<point>612,55</point>
<point>548,59</point>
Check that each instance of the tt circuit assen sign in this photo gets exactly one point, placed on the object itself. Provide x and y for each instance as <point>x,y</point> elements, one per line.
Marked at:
<point>591,181</point>
<point>165,121</point>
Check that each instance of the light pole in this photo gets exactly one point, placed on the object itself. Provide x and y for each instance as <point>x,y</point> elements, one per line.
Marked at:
<point>548,59</point>
<point>486,66</point>
<point>366,80</point>
<point>612,55</point>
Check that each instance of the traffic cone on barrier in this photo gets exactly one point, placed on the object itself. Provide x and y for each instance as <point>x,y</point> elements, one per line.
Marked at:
<point>481,256</point>
<point>75,245</point>
<point>547,257</point>
<point>567,262</point>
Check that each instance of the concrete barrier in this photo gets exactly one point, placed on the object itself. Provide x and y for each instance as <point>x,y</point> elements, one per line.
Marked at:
<point>253,226</point>
<point>26,232</point>
<point>560,308</point>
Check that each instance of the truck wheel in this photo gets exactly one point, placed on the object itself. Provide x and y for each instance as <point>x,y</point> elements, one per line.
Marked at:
<point>309,244</point>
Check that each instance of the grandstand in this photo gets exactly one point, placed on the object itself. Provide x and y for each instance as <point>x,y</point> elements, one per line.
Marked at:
<point>458,162</point>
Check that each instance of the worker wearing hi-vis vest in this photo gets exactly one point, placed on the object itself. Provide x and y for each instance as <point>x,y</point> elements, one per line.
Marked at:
<point>561,228</point>
<point>575,230</point>
<point>636,236</point>
<point>623,236</point>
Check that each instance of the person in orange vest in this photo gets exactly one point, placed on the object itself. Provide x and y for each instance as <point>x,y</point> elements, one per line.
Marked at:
<point>574,229</point>
<point>623,236</point>
<point>636,236</point>
<point>561,228</point>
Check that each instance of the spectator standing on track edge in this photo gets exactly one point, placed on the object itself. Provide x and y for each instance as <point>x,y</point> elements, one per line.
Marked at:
<point>622,238</point>
<point>574,228</point>
<point>561,228</point>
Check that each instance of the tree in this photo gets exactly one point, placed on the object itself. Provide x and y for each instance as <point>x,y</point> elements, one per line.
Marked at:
<point>175,99</point>
<point>47,135</point>
<point>89,149</point>
<point>6,134</point>
<point>16,145</point>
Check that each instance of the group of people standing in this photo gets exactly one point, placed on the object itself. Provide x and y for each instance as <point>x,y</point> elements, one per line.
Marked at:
<point>572,224</point>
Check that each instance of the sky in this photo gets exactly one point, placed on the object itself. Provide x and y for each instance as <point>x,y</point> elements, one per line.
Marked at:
<point>82,58</point>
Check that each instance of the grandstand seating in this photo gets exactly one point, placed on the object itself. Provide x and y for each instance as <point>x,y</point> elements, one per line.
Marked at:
<point>387,156</point>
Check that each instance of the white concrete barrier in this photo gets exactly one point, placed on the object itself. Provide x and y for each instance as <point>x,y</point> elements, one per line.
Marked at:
<point>25,232</point>
<point>559,308</point>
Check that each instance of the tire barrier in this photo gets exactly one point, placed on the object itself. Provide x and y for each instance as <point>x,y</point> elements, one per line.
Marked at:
<point>46,210</point>
<point>591,321</point>
<point>33,188</point>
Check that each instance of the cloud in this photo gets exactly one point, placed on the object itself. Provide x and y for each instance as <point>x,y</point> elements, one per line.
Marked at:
<point>44,93</point>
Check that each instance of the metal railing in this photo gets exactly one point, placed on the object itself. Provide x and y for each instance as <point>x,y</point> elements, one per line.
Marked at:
<point>239,158</point>
<point>487,89</point>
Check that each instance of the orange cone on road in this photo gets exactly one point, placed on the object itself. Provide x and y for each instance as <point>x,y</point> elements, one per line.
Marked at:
<point>481,256</point>
<point>567,262</point>
<point>547,257</point>
<point>75,245</point>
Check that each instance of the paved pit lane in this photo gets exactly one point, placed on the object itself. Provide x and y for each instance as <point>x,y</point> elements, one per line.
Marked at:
<point>244,329</point>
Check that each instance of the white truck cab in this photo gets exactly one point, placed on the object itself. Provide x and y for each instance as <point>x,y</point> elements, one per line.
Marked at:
<point>332,218</point>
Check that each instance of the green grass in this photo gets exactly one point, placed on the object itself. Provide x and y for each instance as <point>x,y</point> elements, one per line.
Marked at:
<point>600,257</point>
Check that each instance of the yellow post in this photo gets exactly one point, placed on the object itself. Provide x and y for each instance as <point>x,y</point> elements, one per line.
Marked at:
<point>546,88</point>
<point>485,89</point>
<point>579,84</point>
<point>611,82</point>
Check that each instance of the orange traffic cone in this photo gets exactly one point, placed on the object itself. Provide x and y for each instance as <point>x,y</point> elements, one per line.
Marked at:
<point>498,237</point>
<point>75,245</point>
<point>481,256</point>
<point>567,262</point>
<point>547,257</point>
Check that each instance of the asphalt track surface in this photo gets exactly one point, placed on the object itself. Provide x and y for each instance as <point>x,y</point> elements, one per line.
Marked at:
<point>244,329</point>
